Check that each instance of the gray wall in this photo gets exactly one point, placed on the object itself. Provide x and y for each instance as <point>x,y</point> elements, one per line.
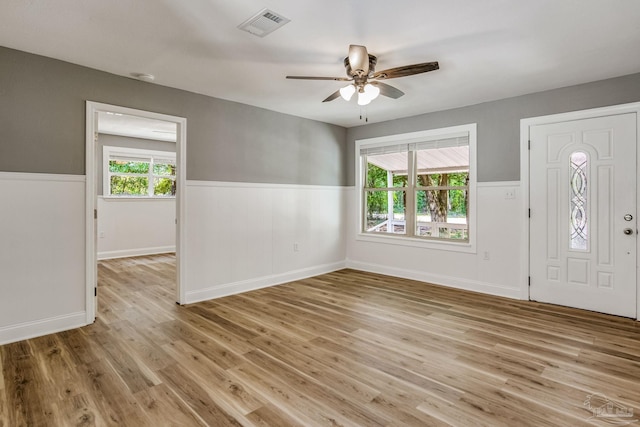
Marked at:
<point>499,122</point>
<point>42,126</point>
<point>125,141</point>
<point>42,104</point>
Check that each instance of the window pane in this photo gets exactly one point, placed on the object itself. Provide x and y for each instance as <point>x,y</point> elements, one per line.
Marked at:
<point>383,168</point>
<point>385,212</point>
<point>164,169</point>
<point>123,166</point>
<point>164,187</point>
<point>129,185</point>
<point>400,180</point>
<point>458,200</point>
<point>442,160</point>
<point>578,202</point>
<point>442,214</point>
<point>429,172</point>
<point>457,179</point>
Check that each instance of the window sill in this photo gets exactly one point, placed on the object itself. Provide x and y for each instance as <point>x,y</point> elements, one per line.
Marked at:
<point>134,198</point>
<point>417,242</point>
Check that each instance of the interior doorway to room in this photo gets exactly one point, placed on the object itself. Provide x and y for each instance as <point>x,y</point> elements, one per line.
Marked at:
<point>135,197</point>
<point>583,249</point>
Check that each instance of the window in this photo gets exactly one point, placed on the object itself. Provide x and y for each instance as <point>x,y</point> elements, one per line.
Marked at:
<point>419,186</point>
<point>578,221</point>
<point>132,172</point>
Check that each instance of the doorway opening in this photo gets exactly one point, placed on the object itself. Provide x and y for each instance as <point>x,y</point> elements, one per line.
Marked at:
<point>136,160</point>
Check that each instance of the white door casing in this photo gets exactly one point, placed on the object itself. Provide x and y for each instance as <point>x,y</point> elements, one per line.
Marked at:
<point>582,184</point>
<point>92,108</point>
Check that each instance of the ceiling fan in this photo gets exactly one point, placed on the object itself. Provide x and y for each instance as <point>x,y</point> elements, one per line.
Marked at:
<point>360,67</point>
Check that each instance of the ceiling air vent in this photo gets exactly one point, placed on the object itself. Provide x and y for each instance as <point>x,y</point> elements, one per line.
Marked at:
<point>263,23</point>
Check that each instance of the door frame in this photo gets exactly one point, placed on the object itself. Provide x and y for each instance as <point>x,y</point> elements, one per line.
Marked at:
<point>91,258</point>
<point>525,125</point>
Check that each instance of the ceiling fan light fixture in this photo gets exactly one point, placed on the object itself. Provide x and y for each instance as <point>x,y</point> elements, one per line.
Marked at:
<point>363,99</point>
<point>360,67</point>
<point>367,94</point>
<point>371,91</point>
<point>347,92</point>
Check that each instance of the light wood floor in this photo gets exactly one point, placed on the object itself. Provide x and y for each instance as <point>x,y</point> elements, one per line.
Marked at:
<point>346,348</point>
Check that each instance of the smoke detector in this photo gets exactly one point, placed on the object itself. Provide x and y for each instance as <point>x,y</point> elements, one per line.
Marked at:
<point>264,22</point>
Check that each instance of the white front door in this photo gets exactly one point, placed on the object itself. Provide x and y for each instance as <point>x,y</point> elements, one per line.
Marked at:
<point>583,214</point>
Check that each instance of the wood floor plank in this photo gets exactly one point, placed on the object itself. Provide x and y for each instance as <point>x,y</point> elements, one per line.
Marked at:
<point>307,387</point>
<point>189,390</point>
<point>163,407</point>
<point>401,414</point>
<point>179,330</point>
<point>109,393</point>
<point>544,394</point>
<point>397,368</point>
<point>129,368</point>
<point>80,348</point>
<point>344,385</point>
<point>54,361</point>
<point>269,416</point>
<point>396,389</point>
<point>280,320</point>
<point>78,410</point>
<point>4,409</point>
<point>27,400</point>
<point>591,381</point>
<point>347,348</point>
<point>233,396</point>
<point>291,405</point>
<point>456,414</point>
<point>219,329</point>
<point>146,352</point>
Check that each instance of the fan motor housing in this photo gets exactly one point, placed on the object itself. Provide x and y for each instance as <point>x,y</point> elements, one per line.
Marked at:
<point>373,60</point>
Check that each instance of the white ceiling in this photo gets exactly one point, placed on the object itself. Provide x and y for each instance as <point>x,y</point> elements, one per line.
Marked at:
<point>487,49</point>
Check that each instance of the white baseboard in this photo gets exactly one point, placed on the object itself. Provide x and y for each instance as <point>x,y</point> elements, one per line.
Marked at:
<point>437,279</point>
<point>260,282</point>
<point>37,328</point>
<point>125,253</point>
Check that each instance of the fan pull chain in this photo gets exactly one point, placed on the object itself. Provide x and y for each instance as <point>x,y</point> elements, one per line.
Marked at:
<point>366,117</point>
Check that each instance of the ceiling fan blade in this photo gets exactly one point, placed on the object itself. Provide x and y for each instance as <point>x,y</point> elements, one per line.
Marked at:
<point>388,90</point>
<point>358,60</point>
<point>333,96</point>
<point>407,70</point>
<point>338,79</point>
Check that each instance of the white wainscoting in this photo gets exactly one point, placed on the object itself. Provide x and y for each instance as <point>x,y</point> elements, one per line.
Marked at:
<point>241,237</point>
<point>495,267</point>
<point>42,255</point>
<point>132,227</point>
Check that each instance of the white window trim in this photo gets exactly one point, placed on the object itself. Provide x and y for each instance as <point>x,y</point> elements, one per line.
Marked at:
<point>108,151</point>
<point>413,137</point>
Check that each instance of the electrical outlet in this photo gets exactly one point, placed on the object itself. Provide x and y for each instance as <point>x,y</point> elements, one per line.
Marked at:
<point>296,248</point>
<point>510,194</point>
<point>486,256</point>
